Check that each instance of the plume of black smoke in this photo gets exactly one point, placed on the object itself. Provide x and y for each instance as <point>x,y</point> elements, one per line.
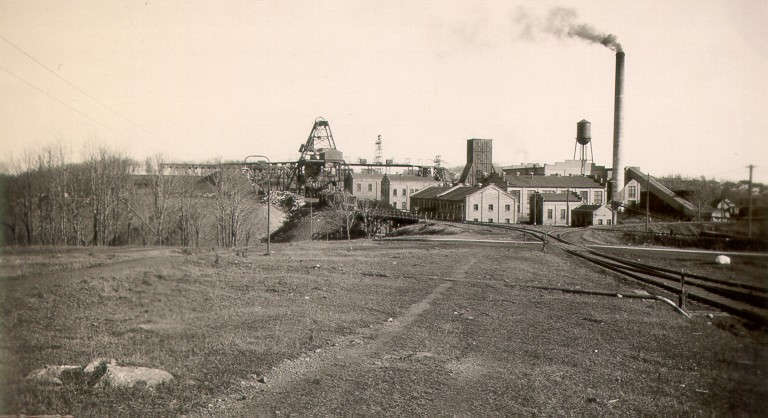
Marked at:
<point>562,22</point>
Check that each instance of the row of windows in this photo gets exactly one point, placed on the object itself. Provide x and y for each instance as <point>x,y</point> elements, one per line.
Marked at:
<point>597,195</point>
<point>550,213</point>
<point>360,187</point>
<point>490,220</point>
<point>394,191</point>
<point>476,207</point>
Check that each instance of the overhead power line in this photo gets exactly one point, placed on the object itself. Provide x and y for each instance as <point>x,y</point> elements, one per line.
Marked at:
<point>69,83</point>
<point>54,98</point>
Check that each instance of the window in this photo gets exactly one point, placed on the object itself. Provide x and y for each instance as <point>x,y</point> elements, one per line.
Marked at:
<point>632,192</point>
<point>562,213</point>
<point>607,221</point>
<point>370,187</point>
<point>506,208</point>
<point>598,197</point>
<point>490,220</point>
<point>404,192</point>
<point>474,220</point>
<point>506,220</point>
<point>475,207</point>
<point>490,208</point>
<point>359,187</point>
<point>549,213</point>
<point>403,205</point>
<point>584,196</point>
<point>394,192</point>
<point>599,221</point>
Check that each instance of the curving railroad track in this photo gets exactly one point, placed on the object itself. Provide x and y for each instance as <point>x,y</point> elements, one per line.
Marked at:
<point>744,300</point>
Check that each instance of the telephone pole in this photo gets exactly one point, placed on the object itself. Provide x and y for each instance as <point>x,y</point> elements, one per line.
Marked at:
<point>749,210</point>
<point>647,201</point>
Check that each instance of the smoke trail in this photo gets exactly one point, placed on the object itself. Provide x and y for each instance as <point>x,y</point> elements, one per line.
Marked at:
<point>562,22</point>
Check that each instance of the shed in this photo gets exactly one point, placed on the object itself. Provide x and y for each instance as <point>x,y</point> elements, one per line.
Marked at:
<point>587,215</point>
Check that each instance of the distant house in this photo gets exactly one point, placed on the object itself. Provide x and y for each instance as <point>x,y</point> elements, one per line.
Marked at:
<point>586,215</point>
<point>396,190</point>
<point>723,210</point>
<point>363,185</point>
<point>555,208</point>
<point>466,203</point>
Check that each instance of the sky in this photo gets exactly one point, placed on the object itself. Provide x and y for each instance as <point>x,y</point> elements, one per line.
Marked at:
<point>202,80</point>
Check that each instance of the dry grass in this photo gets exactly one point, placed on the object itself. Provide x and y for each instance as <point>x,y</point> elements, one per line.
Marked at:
<point>484,346</point>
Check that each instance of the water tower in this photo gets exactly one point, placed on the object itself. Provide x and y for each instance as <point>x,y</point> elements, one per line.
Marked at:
<point>583,138</point>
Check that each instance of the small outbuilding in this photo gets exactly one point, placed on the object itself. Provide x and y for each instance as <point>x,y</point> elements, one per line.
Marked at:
<point>586,215</point>
<point>555,208</point>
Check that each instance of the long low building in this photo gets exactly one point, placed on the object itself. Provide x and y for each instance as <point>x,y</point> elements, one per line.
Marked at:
<point>466,203</point>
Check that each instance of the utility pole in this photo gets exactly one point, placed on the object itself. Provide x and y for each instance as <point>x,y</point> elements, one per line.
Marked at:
<point>749,211</point>
<point>647,201</point>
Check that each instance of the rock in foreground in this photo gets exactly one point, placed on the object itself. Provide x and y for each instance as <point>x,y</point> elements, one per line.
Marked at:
<point>51,374</point>
<point>123,376</point>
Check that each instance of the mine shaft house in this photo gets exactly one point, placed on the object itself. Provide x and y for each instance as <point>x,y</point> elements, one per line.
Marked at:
<point>466,203</point>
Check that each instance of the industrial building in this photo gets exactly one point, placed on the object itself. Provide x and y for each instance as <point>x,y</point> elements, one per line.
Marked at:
<point>587,215</point>
<point>479,161</point>
<point>364,186</point>
<point>555,208</point>
<point>397,189</point>
<point>466,203</point>
<point>523,189</point>
<point>662,199</point>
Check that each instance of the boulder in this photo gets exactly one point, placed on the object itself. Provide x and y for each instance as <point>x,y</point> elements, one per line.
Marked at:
<point>723,259</point>
<point>52,374</point>
<point>128,376</point>
<point>98,363</point>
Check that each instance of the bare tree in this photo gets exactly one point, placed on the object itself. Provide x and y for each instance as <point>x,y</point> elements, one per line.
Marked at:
<point>231,189</point>
<point>158,189</point>
<point>108,178</point>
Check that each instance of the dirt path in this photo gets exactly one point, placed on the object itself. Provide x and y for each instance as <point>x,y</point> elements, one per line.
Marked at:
<point>352,351</point>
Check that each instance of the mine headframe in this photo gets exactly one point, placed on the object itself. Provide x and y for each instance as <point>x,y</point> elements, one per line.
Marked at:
<point>320,164</point>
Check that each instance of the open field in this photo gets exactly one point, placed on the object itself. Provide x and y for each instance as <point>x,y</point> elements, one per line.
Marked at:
<point>469,334</point>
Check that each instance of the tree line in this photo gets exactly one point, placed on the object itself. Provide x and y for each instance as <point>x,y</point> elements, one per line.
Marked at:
<point>110,199</point>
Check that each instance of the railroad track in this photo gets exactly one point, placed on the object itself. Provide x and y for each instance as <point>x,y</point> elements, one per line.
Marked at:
<point>744,300</point>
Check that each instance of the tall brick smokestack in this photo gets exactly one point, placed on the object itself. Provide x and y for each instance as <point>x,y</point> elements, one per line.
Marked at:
<point>617,181</point>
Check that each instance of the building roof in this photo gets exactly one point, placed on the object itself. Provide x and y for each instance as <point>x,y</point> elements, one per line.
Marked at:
<point>453,193</point>
<point>430,192</point>
<point>366,176</point>
<point>459,193</point>
<point>410,177</point>
<point>552,181</point>
<point>560,197</point>
<point>588,208</point>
